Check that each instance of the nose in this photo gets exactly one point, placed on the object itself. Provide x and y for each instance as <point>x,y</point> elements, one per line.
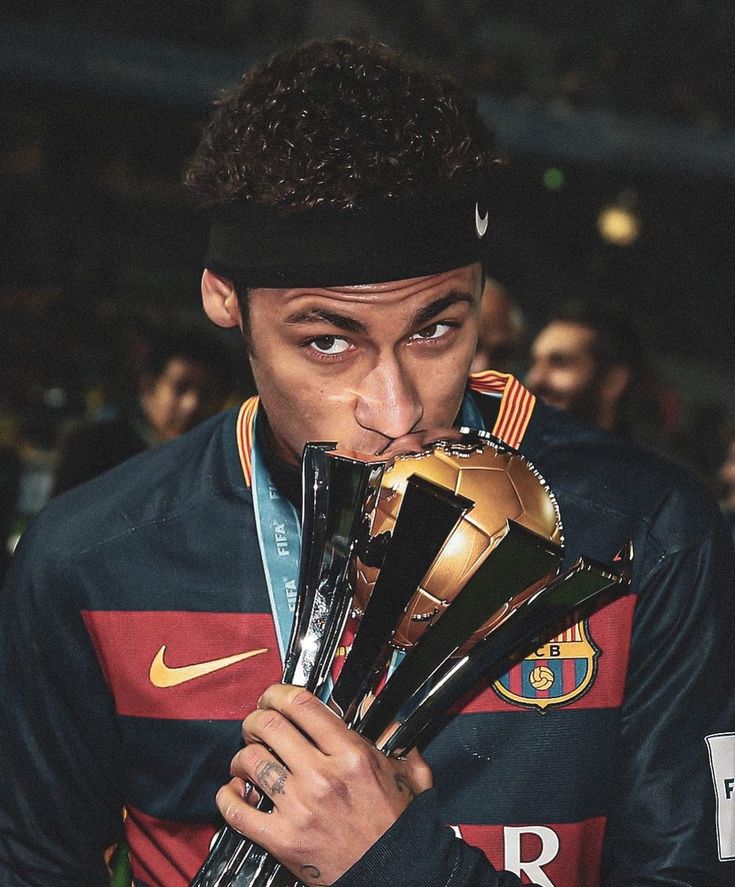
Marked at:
<point>387,401</point>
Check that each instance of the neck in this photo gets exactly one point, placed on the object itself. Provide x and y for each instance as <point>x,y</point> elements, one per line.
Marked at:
<point>283,472</point>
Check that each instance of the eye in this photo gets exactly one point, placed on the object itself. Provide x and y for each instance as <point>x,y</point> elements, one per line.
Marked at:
<point>329,345</point>
<point>432,332</point>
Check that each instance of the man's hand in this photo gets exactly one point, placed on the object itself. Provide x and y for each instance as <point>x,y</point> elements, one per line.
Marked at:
<point>333,793</point>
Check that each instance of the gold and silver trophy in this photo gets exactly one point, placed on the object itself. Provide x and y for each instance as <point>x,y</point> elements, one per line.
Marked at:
<point>450,558</point>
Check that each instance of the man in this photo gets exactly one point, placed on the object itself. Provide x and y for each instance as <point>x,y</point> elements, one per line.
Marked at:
<point>349,192</point>
<point>585,360</point>
<point>185,380</point>
<point>588,360</point>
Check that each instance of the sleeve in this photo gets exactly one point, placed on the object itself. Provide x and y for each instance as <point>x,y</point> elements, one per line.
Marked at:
<point>418,851</point>
<point>59,781</point>
<point>671,820</point>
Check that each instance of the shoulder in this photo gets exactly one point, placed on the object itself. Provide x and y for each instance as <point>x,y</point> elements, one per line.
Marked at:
<point>153,486</point>
<point>619,483</point>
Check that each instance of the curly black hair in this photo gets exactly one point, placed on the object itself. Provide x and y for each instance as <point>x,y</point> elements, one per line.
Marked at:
<point>336,122</point>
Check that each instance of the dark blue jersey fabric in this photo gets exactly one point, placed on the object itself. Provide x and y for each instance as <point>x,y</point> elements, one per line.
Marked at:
<point>604,778</point>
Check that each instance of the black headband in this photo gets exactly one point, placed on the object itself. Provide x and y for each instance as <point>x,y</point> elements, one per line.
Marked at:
<point>425,231</point>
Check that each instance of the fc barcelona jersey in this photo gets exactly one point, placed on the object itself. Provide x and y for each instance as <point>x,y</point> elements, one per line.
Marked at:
<point>137,633</point>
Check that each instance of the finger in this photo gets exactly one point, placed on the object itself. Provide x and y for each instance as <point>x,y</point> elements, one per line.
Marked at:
<point>241,815</point>
<point>418,771</point>
<point>255,764</point>
<point>312,718</point>
<point>273,729</point>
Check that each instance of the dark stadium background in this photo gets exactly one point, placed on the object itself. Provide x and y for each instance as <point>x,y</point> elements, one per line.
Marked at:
<point>101,104</point>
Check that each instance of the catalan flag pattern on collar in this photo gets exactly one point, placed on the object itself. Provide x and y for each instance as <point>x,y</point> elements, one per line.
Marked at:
<point>245,430</point>
<point>516,408</point>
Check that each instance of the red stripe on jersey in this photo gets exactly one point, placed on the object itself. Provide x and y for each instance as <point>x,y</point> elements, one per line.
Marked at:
<point>515,684</point>
<point>568,675</point>
<point>164,853</point>
<point>566,855</point>
<point>191,678</point>
<point>609,629</point>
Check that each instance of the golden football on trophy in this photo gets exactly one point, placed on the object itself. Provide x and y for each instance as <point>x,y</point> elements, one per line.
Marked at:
<point>502,484</point>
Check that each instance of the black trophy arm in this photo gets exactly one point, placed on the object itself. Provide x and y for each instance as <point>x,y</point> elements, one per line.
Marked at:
<point>520,560</point>
<point>427,515</point>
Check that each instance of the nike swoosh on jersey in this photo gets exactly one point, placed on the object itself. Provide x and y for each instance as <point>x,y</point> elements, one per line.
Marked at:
<point>162,675</point>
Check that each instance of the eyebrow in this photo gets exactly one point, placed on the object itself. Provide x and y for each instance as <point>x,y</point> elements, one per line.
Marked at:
<point>319,315</point>
<point>350,325</point>
<point>430,311</point>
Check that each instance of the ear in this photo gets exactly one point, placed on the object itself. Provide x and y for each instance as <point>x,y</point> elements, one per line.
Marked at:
<point>614,383</point>
<point>220,300</point>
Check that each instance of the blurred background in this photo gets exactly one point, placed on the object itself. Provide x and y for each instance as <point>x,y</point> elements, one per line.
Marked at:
<point>619,118</point>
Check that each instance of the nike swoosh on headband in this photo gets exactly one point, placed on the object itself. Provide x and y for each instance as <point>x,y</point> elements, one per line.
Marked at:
<point>480,222</point>
<point>162,675</point>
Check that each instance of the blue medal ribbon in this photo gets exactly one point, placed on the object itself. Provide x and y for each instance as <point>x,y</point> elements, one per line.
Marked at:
<point>279,537</point>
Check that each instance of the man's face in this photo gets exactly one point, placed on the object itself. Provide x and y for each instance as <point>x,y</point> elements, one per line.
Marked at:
<point>563,370</point>
<point>183,395</point>
<point>363,365</point>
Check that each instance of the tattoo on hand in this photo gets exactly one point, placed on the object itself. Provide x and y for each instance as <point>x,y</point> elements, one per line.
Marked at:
<point>403,785</point>
<point>271,778</point>
<point>311,873</point>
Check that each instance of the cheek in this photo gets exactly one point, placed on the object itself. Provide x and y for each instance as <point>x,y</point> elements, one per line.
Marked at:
<point>441,388</point>
<point>161,405</point>
<point>566,381</point>
<point>302,405</point>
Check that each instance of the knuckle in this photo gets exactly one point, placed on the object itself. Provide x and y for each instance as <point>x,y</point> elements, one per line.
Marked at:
<point>358,759</point>
<point>236,764</point>
<point>268,720</point>
<point>303,698</point>
<point>419,768</point>
<point>247,758</point>
<point>269,695</point>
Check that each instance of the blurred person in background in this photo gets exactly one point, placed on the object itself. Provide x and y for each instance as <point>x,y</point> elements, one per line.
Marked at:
<point>726,479</point>
<point>588,360</point>
<point>185,380</point>
<point>500,333</point>
<point>36,446</point>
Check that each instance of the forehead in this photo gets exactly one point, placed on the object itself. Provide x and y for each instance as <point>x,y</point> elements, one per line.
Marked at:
<point>396,292</point>
<point>564,336</point>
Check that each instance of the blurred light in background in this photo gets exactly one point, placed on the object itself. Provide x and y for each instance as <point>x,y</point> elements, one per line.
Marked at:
<point>619,223</point>
<point>554,179</point>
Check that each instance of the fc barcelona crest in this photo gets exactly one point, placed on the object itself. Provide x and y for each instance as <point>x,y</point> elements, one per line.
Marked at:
<point>557,673</point>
